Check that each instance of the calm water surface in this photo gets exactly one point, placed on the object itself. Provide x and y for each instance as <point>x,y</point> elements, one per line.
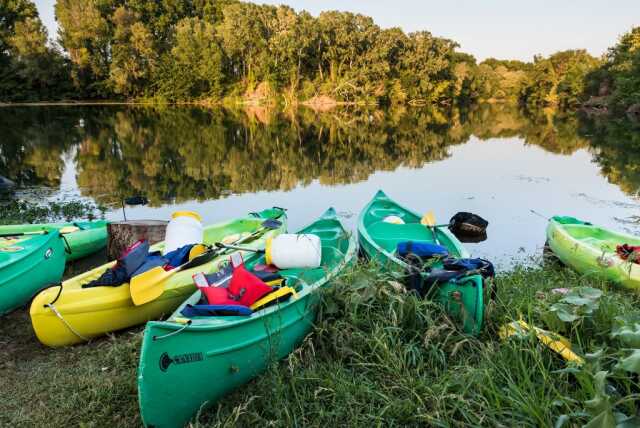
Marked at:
<point>492,161</point>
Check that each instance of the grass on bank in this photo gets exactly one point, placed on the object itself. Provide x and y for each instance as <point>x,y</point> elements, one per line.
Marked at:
<point>376,357</point>
<point>16,211</point>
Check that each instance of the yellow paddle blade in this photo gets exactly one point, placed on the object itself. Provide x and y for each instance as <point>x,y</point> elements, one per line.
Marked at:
<point>553,341</point>
<point>196,250</point>
<point>429,219</point>
<point>148,285</point>
<point>69,229</point>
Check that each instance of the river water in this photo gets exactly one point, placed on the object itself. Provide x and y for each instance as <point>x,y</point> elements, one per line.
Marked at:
<point>492,160</point>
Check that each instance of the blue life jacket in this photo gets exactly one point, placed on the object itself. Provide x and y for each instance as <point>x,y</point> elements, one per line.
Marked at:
<point>422,249</point>
<point>190,311</point>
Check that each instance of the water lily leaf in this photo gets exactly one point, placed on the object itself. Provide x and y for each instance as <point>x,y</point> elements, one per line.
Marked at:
<point>590,292</point>
<point>602,420</point>
<point>625,421</point>
<point>629,334</point>
<point>600,403</point>
<point>594,356</point>
<point>577,300</point>
<point>631,363</point>
<point>561,421</point>
<point>566,316</point>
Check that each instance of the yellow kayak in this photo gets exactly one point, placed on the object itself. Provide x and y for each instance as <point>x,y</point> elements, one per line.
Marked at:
<point>69,314</point>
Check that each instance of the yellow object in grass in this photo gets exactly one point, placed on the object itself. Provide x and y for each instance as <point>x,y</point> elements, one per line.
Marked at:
<point>553,341</point>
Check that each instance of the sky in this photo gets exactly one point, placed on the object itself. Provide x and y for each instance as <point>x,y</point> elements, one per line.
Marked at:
<point>504,29</point>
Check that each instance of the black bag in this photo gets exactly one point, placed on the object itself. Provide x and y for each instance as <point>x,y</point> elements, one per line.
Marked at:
<point>468,224</point>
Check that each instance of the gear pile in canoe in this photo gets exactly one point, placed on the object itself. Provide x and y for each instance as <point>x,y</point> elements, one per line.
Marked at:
<point>87,306</point>
<point>432,261</point>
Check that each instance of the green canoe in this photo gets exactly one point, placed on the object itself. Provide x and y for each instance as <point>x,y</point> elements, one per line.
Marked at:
<point>463,300</point>
<point>31,262</point>
<point>28,264</point>
<point>591,250</point>
<point>89,237</point>
<point>186,366</point>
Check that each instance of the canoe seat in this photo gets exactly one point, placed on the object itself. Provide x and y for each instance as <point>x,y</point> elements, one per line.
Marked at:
<point>388,235</point>
<point>381,213</point>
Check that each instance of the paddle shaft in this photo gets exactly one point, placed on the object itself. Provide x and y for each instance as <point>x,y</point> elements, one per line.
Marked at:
<point>61,231</point>
<point>540,215</point>
<point>210,254</point>
<point>233,247</point>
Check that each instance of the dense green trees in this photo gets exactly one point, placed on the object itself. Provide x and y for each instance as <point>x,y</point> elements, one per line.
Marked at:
<point>30,69</point>
<point>195,50</point>
<point>192,50</point>
<point>559,80</point>
<point>618,80</point>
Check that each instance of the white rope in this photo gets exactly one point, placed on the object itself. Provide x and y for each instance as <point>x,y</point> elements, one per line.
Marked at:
<point>55,311</point>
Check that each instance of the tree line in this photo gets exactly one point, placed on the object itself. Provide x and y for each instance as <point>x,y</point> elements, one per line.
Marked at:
<point>211,50</point>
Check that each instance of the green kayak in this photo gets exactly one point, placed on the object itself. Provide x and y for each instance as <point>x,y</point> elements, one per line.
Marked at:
<point>35,260</point>
<point>28,264</point>
<point>591,250</point>
<point>188,364</point>
<point>463,299</point>
<point>86,237</point>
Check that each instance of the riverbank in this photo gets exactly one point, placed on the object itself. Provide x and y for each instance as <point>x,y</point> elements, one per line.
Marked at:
<point>375,357</point>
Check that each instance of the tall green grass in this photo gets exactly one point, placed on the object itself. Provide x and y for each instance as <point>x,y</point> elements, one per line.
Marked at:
<point>376,357</point>
<point>382,358</point>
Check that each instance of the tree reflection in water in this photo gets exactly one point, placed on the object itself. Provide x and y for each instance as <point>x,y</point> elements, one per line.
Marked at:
<point>182,153</point>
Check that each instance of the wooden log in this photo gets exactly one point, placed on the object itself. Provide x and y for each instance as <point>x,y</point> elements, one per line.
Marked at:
<point>124,233</point>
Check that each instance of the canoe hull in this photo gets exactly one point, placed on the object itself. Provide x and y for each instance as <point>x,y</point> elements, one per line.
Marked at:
<point>464,301</point>
<point>590,250</point>
<point>91,312</point>
<point>218,363</point>
<point>23,275</point>
<point>186,367</point>
<point>91,237</point>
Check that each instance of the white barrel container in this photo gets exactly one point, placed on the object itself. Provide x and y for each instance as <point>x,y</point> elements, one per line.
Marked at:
<point>184,228</point>
<point>294,251</point>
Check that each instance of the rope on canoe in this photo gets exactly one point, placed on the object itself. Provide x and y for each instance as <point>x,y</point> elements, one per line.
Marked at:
<point>67,247</point>
<point>173,333</point>
<point>71,329</point>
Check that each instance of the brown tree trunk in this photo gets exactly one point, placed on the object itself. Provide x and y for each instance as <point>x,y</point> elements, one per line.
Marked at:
<point>124,233</point>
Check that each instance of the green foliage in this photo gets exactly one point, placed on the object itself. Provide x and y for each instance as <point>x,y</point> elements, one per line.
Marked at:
<point>618,78</point>
<point>206,50</point>
<point>20,211</point>
<point>577,304</point>
<point>559,80</point>
<point>202,49</point>
<point>30,70</point>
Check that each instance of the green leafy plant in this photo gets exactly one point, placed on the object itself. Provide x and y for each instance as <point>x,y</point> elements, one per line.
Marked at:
<point>573,307</point>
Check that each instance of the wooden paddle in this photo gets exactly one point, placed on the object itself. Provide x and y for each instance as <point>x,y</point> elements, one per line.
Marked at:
<point>149,285</point>
<point>62,231</point>
<point>429,220</point>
